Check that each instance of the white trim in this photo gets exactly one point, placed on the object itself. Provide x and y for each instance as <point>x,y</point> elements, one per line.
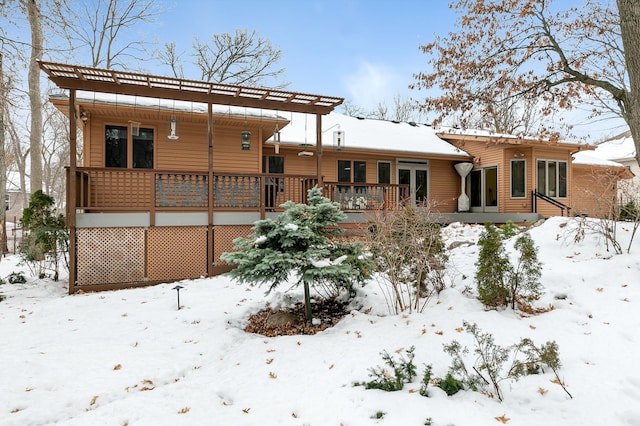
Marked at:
<point>511,179</point>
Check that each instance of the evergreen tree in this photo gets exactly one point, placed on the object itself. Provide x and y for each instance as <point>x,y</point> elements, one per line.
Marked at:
<point>299,241</point>
<point>493,268</point>
<point>47,234</point>
<point>524,282</point>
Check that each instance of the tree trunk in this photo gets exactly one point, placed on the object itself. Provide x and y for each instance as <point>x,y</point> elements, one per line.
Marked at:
<point>35,99</point>
<point>3,167</point>
<point>629,11</point>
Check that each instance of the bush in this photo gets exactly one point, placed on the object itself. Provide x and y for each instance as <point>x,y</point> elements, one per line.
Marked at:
<point>16,278</point>
<point>408,249</point>
<point>495,363</point>
<point>450,385</point>
<point>402,371</point>
<point>499,282</point>
<point>46,242</point>
<point>300,241</point>
<point>493,268</point>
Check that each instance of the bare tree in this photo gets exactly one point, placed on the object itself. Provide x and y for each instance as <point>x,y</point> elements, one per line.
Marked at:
<point>242,58</point>
<point>106,28</point>
<point>521,49</point>
<point>35,100</point>
<point>630,32</point>
<point>3,166</point>
<point>168,55</point>
<point>352,110</point>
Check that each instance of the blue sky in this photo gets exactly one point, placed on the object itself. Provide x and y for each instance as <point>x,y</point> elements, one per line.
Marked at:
<point>365,51</point>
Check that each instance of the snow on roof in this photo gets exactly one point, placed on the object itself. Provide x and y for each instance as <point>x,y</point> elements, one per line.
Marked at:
<point>367,133</point>
<point>489,133</point>
<point>169,104</point>
<point>590,158</point>
<point>618,149</point>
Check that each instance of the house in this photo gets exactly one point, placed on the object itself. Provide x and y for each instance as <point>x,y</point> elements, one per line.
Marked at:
<point>174,170</point>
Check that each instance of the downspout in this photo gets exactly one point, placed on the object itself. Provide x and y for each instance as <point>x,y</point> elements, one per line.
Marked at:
<point>71,191</point>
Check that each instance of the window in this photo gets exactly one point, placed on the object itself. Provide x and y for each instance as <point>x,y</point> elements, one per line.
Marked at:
<point>345,170</point>
<point>117,152</point>
<point>272,164</point>
<point>552,178</point>
<point>518,185</point>
<point>116,146</point>
<point>143,149</point>
<point>384,172</point>
<point>273,185</point>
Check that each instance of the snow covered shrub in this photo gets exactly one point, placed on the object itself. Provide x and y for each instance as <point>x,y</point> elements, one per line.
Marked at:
<point>409,252</point>
<point>16,278</point>
<point>499,282</point>
<point>495,363</point>
<point>299,241</point>
<point>45,244</point>
<point>402,371</point>
<point>509,229</point>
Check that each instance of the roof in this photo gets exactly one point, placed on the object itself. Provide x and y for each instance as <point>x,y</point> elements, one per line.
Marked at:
<point>371,134</point>
<point>506,138</point>
<point>79,77</point>
<point>620,148</point>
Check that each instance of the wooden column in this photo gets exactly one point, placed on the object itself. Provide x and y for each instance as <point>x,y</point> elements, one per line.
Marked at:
<point>319,149</point>
<point>71,192</point>
<point>210,242</point>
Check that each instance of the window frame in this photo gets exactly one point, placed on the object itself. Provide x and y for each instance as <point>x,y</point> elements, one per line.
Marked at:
<point>524,178</point>
<point>561,187</point>
<point>388,163</point>
<point>129,150</point>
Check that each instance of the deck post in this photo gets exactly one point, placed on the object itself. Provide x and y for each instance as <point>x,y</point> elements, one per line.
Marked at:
<point>319,149</point>
<point>71,193</point>
<point>210,243</point>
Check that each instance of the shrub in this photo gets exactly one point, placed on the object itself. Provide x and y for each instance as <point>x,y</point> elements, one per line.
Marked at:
<point>495,363</point>
<point>493,268</point>
<point>16,278</point>
<point>450,385</point>
<point>46,242</point>
<point>402,371</point>
<point>408,249</point>
<point>499,282</point>
<point>509,229</point>
<point>300,241</point>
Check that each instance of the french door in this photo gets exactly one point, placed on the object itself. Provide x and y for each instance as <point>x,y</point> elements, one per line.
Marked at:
<point>416,175</point>
<point>483,189</point>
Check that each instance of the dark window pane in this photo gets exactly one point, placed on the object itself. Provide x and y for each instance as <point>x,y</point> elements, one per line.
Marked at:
<point>475,178</point>
<point>359,171</point>
<point>143,149</point>
<point>542,178</point>
<point>552,182</point>
<point>276,164</point>
<point>384,172</point>
<point>517,178</point>
<point>562,179</point>
<point>115,146</point>
<point>421,186</point>
<point>344,171</point>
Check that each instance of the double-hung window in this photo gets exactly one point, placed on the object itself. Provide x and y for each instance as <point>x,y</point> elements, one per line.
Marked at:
<point>518,180</point>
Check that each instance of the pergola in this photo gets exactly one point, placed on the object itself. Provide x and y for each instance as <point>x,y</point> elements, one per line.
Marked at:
<point>76,77</point>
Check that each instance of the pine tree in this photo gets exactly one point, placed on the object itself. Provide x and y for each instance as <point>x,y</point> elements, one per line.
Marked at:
<point>299,241</point>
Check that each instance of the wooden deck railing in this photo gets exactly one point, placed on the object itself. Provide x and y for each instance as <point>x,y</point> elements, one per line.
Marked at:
<point>106,189</point>
<point>363,196</point>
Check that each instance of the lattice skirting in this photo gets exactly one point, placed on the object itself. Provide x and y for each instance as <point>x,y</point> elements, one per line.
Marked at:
<point>110,255</point>
<point>177,252</point>
<point>135,255</point>
<point>223,237</point>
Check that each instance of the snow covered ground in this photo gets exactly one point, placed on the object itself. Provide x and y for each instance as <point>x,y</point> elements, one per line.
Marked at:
<point>130,357</point>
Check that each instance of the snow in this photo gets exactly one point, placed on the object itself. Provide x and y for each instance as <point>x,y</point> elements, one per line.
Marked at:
<point>368,133</point>
<point>591,158</point>
<point>618,149</point>
<point>131,357</point>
